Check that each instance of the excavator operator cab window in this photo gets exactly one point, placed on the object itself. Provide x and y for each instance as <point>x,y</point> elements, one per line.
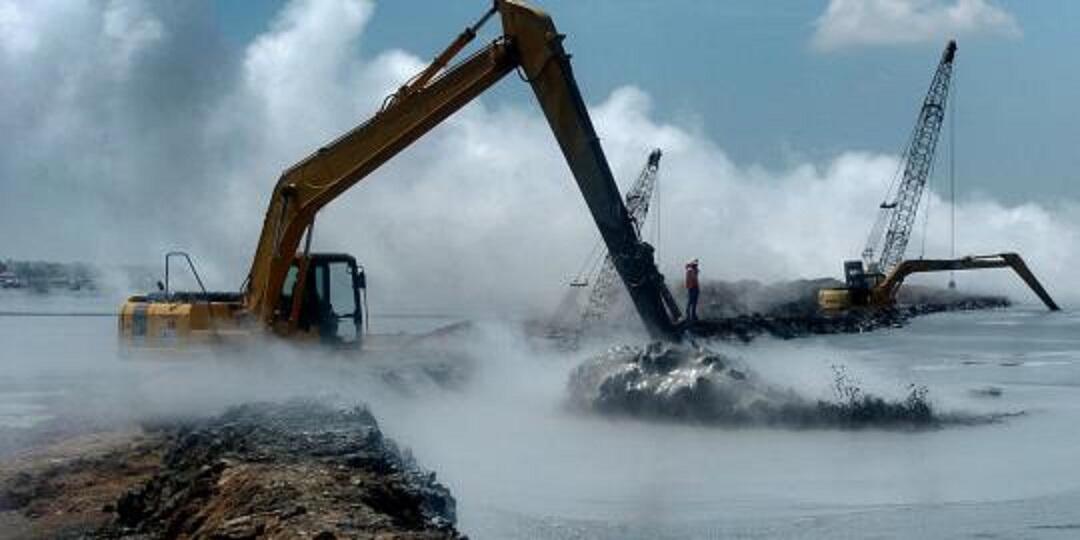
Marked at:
<point>331,301</point>
<point>286,298</point>
<point>344,308</point>
<point>854,275</point>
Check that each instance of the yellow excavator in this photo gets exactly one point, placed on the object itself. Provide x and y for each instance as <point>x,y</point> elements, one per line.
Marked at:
<point>315,297</point>
<point>879,290</point>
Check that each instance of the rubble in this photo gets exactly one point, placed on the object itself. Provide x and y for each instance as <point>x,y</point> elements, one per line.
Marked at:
<point>743,311</point>
<point>690,384</point>
<point>259,470</point>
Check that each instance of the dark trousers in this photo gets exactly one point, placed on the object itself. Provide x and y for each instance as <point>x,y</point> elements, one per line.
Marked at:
<point>691,303</point>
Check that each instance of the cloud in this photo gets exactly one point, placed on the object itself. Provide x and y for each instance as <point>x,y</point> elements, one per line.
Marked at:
<point>16,30</point>
<point>132,29</point>
<point>853,23</point>
<point>482,216</point>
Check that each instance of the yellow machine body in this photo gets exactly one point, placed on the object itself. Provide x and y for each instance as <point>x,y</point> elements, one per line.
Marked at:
<point>834,299</point>
<point>874,290</point>
<point>319,302</point>
<point>166,325</point>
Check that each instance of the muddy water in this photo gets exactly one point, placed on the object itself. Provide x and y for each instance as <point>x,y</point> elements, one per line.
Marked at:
<point>523,466</point>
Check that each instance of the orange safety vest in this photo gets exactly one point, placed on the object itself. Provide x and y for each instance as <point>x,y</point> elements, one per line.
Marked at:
<point>691,277</point>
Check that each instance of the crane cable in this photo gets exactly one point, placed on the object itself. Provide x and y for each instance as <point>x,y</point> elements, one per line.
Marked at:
<point>927,192</point>
<point>590,266</point>
<point>952,177</point>
<point>656,213</point>
<point>876,239</point>
<point>952,188</point>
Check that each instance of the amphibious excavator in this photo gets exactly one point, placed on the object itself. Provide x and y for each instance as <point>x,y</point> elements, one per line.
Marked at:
<point>294,293</point>
<point>874,280</point>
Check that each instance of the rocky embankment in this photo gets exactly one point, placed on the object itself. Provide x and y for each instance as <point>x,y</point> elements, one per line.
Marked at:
<point>747,327</point>
<point>748,309</point>
<point>292,470</point>
<point>743,311</point>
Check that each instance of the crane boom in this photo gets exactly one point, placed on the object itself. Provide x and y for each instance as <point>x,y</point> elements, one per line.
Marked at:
<point>638,199</point>
<point>639,196</point>
<point>874,281</point>
<point>918,162</point>
<point>530,43</point>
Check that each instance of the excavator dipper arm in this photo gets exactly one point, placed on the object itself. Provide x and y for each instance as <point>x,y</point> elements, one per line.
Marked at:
<point>547,68</point>
<point>530,42</point>
<point>892,282</point>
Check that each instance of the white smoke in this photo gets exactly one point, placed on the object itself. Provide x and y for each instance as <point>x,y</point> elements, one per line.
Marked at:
<point>138,130</point>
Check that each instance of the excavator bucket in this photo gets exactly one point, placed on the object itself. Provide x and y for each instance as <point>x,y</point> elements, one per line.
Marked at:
<point>1022,269</point>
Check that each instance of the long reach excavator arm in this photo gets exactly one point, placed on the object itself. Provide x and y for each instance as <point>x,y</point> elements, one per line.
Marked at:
<point>889,287</point>
<point>530,43</point>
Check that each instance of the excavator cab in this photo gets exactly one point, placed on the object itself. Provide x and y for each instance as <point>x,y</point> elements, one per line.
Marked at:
<point>855,275</point>
<point>860,281</point>
<point>321,298</point>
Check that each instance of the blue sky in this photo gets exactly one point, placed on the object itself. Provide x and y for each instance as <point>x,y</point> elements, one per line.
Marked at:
<point>746,74</point>
<point>780,123</point>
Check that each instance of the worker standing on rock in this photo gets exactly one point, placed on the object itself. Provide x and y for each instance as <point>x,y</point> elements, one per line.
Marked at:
<point>692,290</point>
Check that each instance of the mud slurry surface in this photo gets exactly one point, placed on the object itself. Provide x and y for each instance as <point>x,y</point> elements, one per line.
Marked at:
<point>291,470</point>
<point>693,384</point>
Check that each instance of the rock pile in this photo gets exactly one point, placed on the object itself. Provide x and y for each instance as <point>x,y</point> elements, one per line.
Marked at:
<point>691,384</point>
<point>748,309</point>
<point>286,470</point>
<point>293,470</point>
<point>801,317</point>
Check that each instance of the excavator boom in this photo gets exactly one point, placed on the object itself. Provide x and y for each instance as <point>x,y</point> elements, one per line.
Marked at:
<point>889,287</point>
<point>529,42</point>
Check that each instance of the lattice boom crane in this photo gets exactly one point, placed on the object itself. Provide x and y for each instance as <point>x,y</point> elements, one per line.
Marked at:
<point>874,281</point>
<point>606,284</point>
<point>918,162</point>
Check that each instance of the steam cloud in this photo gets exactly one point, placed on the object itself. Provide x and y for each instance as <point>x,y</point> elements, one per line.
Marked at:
<point>135,128</point>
